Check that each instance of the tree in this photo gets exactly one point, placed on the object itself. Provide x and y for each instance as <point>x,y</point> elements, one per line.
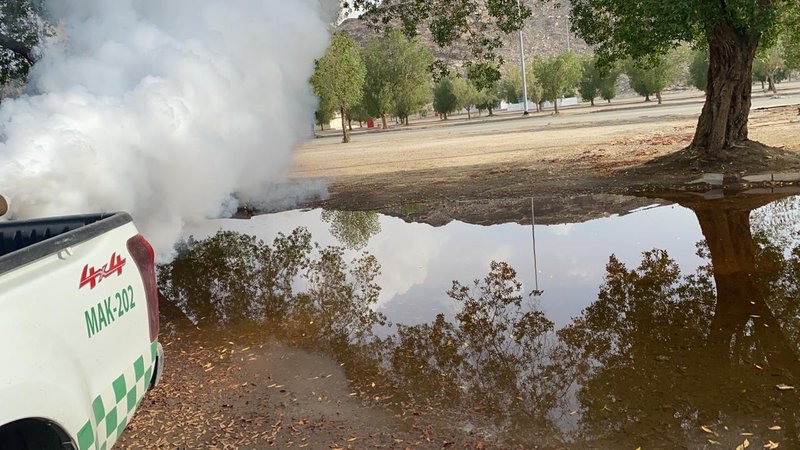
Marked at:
<point>558,75</point>
<point>480,23</point>
<point>324,113</point>
<point>535,88</point>
<point>510,85</point>
<point>597,81</point>
<point>698,69</point>
<point>608,86</point>
<point>398,75</point>
<point>770,62</point>
<point>488,99</point>
<point>358,113</point>
<point>650,78</point>
<point>22,29</point>
<point>339,77</point>
<point>353,229</point>
<point>651,329</point>
<point>466,94</point>
<point>732,31</point>
<point>444,97</point>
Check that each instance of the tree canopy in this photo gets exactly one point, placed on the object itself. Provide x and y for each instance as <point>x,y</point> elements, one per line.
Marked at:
<point>339,77</point>
<point>21,29</point>
<point>479,23</point>
<point>650,79</point>
<point>558,75</point>
<point>444,97</point>
<point>467,95</point>
<point>597,81</point>
<point>398,75</point>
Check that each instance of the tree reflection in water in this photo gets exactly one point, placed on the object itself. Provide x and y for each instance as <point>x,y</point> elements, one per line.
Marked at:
<point>662,354</point>
<point>353,229</point>
<point>659,354</point>
<point>232,278</point>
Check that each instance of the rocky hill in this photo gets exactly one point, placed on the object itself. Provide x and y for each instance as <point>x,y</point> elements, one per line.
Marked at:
<point>545,34</point>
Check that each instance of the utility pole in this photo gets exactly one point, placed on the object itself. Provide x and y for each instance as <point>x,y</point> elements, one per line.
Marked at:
<point>522,58</point>
<point>569,34</point>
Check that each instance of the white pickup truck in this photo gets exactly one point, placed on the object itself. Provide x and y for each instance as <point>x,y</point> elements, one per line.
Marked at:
<point>78,330</point>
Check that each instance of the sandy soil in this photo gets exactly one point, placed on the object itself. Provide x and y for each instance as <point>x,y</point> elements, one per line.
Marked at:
<point>238,389</point>
<point>428,169</point>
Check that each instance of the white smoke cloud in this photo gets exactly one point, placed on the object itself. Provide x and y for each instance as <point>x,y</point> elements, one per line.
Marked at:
<point>162,108</point>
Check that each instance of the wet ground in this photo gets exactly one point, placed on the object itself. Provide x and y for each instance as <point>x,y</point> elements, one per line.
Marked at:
<point>670,322</point>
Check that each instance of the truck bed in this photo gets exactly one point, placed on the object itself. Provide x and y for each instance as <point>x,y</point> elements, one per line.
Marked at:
<point>22,242</point>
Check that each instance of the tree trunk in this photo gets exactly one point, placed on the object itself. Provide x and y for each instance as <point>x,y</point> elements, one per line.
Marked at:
<point>383,120</point>
<point>592,101</point>
<point>762,86</point>
<point>608,100</point>
<point>349,123</point>
<point>491,112</point>
<point>469,115</point>
<point>740,299</point>
<point>658,96</point>
<point>772,87</point>
<point>345,133</point>
<point>723,122</point>
<point>555,105</point>
<point>647,98</point>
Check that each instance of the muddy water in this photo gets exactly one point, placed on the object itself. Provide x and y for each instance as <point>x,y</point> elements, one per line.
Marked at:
<point>672,326</point>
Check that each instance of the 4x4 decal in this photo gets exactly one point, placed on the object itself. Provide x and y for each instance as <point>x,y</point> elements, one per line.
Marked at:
<point>92,276</point>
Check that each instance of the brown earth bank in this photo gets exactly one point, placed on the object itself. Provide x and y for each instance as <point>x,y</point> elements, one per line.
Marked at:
<point>488,173</point>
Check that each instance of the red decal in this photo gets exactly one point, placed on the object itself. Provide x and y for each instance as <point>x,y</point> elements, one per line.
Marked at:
<point>92,276</point>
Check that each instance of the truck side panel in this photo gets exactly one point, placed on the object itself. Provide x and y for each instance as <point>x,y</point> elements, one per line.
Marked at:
<point>77,324</point>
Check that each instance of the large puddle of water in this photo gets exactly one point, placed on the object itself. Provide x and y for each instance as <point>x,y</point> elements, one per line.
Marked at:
<point>673,326</point>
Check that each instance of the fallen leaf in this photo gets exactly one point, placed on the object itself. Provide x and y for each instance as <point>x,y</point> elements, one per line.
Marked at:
<point>743,445</point>
<point>775,428</point>
<point>711,441</point>
<point>771,445</point>
<point>745,434</point>
<point>706,429</point>
<point>784,387</point>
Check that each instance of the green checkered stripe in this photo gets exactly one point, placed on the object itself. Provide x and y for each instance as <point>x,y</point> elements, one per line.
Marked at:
<point>112,409</point>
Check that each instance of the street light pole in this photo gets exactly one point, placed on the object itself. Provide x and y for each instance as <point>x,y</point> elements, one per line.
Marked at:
<point>569,35</point>
<point>522,58</point>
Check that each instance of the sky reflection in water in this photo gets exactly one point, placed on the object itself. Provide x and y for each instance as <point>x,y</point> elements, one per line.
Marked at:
<point>419,262</point>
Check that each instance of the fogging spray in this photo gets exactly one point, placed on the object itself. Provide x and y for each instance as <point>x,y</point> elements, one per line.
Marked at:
<point>174,111</point>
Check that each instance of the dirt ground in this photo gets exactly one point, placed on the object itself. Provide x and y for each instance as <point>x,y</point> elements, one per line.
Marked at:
<point>425,174</point>
<point>245,391</point>
<point>242,390</point>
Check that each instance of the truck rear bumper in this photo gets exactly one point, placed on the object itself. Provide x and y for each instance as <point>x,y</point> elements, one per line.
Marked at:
<point>159,369</point>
